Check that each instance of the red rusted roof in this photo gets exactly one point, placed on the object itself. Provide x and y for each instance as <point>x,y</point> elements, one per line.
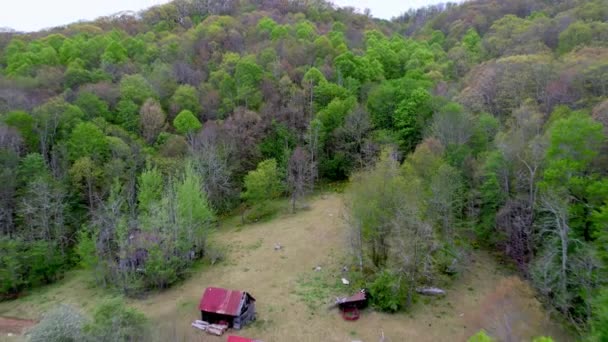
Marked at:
<point>221,301</point>
<point>240,339</point>
<point>359,296</point>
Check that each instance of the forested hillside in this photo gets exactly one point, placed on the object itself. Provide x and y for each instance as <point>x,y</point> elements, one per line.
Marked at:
<point>480,125</point>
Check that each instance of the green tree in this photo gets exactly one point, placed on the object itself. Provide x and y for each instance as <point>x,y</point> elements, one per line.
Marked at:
<point>115,53</point>
<point>87,140</point>
<point>194,216</point>
<point>278,144</point>
<point>24,123</point>
<point>599,321</point>
<point>150,189</point>
<point>93,106</point>
<point>577,34</point>
<point>332,116</point>
<point>263,184</point>
<point>136,88</point>
<point>248,75</point>
<point>126,115</point>
<point>186,123</point>
<point>186,98</point>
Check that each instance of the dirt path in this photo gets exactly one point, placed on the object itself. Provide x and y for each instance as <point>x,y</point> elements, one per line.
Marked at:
<point>484,297</point>
<point>14,325</point>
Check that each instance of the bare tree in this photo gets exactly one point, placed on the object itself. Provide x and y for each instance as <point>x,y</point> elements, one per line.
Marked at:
<point>555,227</point>
<point>212,156</point>
<point>299,175</point>
<point>515,220</point>
<point>353,135</point>
<point>10,139</point>
<point>151,120</point>
<point>413,246</point>
<point>313,139</point>
<point>42,212</point>
<point>445,198</point>
<point>452,128</point>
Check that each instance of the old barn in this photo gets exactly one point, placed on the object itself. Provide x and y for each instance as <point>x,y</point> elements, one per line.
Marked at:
<point>231,307</point>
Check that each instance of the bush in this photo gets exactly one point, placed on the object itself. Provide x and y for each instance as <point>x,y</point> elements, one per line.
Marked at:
<point>481,336</point>
<point>599,321</point>
<point>114,321</point>
<point>261,212</point>
<point>64,323</point>
<point>28,264</point>
<point>386,292</point>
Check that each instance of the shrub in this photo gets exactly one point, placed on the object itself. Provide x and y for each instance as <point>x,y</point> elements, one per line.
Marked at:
<point>386,292</point>
<point>481,336</point>
<point>64,323</point>
<point>262,211</point>
<point>114,321</point>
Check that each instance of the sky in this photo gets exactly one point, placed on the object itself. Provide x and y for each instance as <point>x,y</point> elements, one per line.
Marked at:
<point>33,15</point>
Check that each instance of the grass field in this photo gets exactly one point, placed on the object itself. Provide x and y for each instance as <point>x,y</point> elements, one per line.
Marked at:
<point>293,299</point>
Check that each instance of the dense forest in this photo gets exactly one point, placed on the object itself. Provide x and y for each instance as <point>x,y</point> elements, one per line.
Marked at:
<point>477,125</point>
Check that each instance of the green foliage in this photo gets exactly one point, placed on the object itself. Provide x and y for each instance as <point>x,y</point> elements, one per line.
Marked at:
<point>599,321</point>
<point>26,264</point>
<point>266,25</point>
<point>410,116</point>
<point>577,34</point>
<point>150,188</point>
<point>24,123</point>
<point>186,98</point>
<point>126,114</point>
<point>278,144</point>
<point>386,292</point>
<point>186,123</point>
<point>63,323</point>
<point>136,88</point>
<point>93,106</point>
<point>332,116</point>
<point>263,184</point>
<point>85,250</point>
<point>87,140</point>
<point>115,53</point>
<point>481,336</point>
<point>542,339</point>
<point>463,94</point>
<point>194,216</point>
<point>248,75</point>
<point>114,321</point>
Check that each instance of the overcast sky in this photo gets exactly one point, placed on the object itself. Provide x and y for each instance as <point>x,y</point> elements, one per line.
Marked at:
<point>32,15</point>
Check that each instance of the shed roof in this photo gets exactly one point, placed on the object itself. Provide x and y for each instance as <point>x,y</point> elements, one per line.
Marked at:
<point>221,301</point>
<point>359,296</point>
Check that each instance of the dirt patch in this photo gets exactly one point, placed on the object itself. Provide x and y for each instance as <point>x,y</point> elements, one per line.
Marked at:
<point>14,325</point>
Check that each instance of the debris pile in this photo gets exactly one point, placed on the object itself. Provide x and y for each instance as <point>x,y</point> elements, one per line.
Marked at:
<point>214,329</point>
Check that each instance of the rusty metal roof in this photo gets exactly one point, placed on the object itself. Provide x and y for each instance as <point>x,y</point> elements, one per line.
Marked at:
<point>221,301</point>
<point>358,297</point>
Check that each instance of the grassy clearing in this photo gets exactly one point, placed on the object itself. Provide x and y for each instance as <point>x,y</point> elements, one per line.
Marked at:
<point>317,289</point>
<point>293,299</point>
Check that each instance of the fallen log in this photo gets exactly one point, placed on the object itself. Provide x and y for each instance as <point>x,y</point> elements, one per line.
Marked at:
<point>200,326</point>
<point>215,330</point>
<point>430,291</point>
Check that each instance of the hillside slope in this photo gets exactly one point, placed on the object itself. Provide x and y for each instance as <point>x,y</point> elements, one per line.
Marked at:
<point>290,310</point>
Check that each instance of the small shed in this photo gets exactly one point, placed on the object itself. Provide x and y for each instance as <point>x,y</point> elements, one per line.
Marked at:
<point>358,300</point>
<point>231,307</point>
